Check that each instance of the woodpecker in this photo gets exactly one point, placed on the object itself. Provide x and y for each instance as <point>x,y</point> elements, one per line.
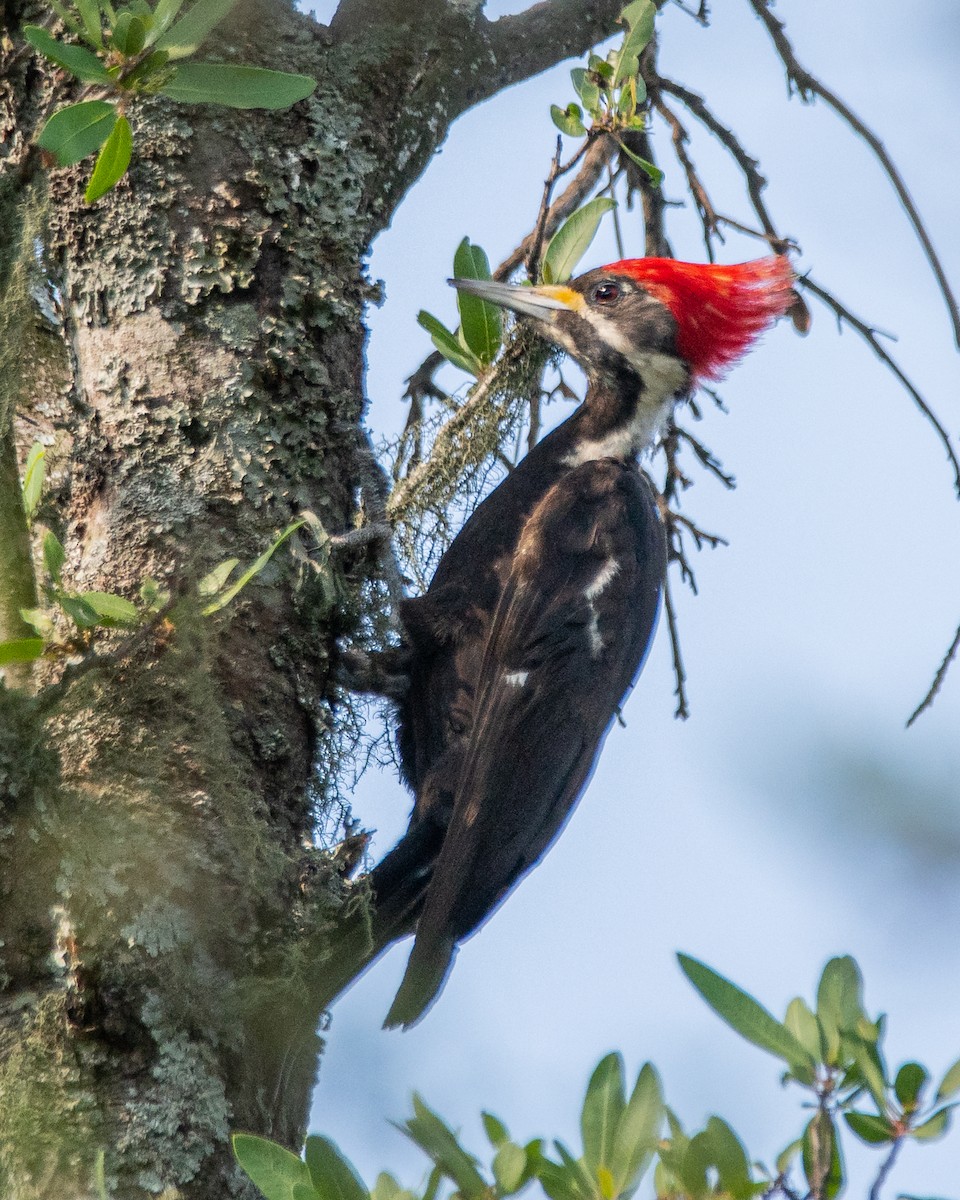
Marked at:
<point>542,610</point>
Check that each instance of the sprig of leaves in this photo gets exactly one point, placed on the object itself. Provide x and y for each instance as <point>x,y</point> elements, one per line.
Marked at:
<point>833,1049</point>
<point>135,50</point>
<point>89,612</point>
<point>611,92</point>
<point>479,336</point>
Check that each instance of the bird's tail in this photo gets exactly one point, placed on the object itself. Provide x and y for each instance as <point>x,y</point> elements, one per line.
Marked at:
<point>397,887</point>
<point>427,970</point>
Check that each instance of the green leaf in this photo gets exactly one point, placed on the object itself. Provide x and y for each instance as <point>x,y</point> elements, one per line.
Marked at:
<point>129,34</point>
<point>448,345</point>
<point>935,1126</point>
<point>188,34</point>
<point>33,476</point>
<point>730,1159</point>
<point>572,240</point>
<point>440,1144</point>
<point>54,555</point>
<point>20,650</point>
<point>950,1084</point>
<point>75,59</point>
<point>870,1065</point>
<point>274,1169</point>
<point>495,1129</point>
<point>78,610</point>
<point>786,1156</point>
<point>111,609</point>
<point>112,161</point>
<point>236,87</point>
<point>910,1081</point>
<point>870,1128</point>
<point>750,1019</point>
<point>212,583</point>
<point>822,1164</point>
<point>163,16</point>
<point>805,1028</point>
<point>89,11</point>
<point>40,620</point>
<point>332,1175</point>
<point>509,1168</point>
<point>638,1130</point>
<point>568,120</point>
<point>839,1002</point>
<point>481,324</point>
<point>77,130</point>
<point>254,569</point>
<point>654,173</point>
<point>639,18</point>
<point>584,84</point>
<point>387,1188</point>
<point>603,1107</point>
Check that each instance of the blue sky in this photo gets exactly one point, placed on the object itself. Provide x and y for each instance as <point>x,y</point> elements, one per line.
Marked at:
<point>792,817</point>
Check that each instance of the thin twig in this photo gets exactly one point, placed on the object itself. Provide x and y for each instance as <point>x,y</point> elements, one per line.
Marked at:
<point>615,213</point>
<point>937,680</point>
<point>680,137</point>
<point>596,152</point>
<point>707,458</point>
<point>808,85</point>
<point>870,336</point>
<point>682,711</point>
<point>885,1168</point>
<point>533,258</point>
<point>748,165</point>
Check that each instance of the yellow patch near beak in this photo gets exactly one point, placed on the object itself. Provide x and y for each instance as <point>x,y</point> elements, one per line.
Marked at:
<point>564,295</point>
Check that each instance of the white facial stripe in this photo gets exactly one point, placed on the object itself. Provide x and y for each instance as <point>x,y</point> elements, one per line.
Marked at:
<point>663,375</point>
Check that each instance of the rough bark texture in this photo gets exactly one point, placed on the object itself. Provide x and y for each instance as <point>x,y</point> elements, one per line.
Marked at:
<point>198,376</point>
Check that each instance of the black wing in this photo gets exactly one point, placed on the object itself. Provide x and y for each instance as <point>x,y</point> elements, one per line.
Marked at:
<point>567,640</point>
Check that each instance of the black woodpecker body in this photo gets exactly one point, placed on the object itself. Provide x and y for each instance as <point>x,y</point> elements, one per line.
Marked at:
<point>541,612</point>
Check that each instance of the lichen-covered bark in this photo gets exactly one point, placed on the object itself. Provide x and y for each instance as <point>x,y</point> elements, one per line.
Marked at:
<point>161,900</point>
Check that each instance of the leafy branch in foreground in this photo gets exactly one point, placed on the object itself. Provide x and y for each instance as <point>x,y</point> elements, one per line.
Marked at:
<point>832,1050</point>
<point>136,50</point>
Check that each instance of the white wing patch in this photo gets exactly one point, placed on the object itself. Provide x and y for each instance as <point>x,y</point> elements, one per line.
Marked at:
<point>607,572</point>
<point>516,678</point>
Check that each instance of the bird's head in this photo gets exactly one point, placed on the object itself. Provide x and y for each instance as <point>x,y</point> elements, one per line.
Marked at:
<point>674,324</point>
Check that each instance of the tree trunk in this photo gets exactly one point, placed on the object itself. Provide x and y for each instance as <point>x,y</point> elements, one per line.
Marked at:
<point>196,369</point>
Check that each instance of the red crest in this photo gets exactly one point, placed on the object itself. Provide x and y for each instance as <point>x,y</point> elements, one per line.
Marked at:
<point>720,310</point>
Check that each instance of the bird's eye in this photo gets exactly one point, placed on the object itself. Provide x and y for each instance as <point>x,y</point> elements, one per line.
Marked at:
<point>606,293</point>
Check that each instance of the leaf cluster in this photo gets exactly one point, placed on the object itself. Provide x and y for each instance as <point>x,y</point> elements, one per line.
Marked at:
<point>87,613</point>
<point>479,336</point>
<point>138,49</point>
<point>611,92</point>
<point>832,1049</point>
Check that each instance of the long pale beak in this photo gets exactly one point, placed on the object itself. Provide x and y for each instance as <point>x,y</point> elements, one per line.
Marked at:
<point>540,302</point>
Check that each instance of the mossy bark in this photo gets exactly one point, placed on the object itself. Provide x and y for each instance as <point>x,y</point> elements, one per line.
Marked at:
<point>161,897</point>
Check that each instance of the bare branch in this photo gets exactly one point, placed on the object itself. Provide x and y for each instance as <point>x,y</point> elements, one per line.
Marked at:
<point>680,137</point>
<point>533,258</point>
<point>808,86</point>
<point>748,165</point>
<point>937,680</point>
<point>597,152</point>
<point>682,711</point>
<point>529,42</point>
<point>871,337</point>
<point>885,1168</point>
